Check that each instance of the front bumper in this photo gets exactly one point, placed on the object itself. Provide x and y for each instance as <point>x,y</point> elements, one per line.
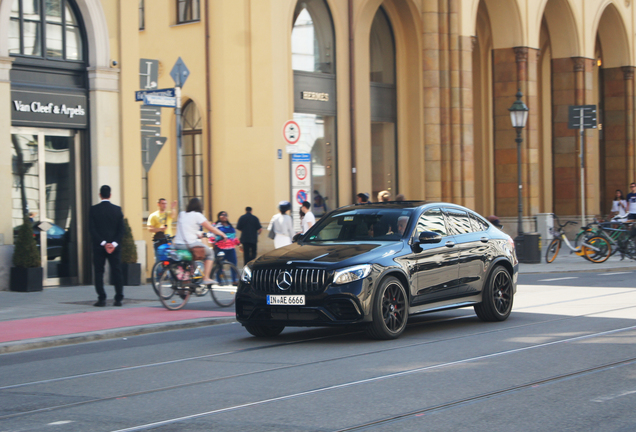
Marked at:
<point>336,305</point>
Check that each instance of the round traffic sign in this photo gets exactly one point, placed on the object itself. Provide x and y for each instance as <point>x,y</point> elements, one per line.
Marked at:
<point>291,132</point>
<point>301,196</point>
<point>301,172</point>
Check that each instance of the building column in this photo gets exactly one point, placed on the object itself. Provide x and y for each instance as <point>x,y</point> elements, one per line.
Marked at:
<point>432,115</point>
<point>513,69</point>
<point>628,76</point>
<point>6,174</point>
<point>466,46</point>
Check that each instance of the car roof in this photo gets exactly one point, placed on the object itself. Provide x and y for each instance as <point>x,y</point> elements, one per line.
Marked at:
<point>402,205</point>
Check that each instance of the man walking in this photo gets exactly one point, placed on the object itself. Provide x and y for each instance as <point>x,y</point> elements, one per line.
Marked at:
<point>631,202</point>
<point>308,219</point>
<point>250,228</point>
<point>106,224</point>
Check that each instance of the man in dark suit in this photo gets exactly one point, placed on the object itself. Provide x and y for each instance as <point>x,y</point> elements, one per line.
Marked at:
<point>250,228</point>
<point>106,222</point>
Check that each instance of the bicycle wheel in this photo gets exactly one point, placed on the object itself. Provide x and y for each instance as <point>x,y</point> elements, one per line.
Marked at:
<point>630,248</point>
<point>599,251</point>
<point>224,293</point>
<point>553,250</point>
<point>155,275</point>
<point>171,295</point>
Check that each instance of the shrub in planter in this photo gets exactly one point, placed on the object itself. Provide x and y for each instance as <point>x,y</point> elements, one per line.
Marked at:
<point>27,272</point>
<point>130,268</point>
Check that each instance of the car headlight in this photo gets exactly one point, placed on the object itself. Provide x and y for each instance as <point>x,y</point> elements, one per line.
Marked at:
<point>351,274</point>
<point>246,274</point>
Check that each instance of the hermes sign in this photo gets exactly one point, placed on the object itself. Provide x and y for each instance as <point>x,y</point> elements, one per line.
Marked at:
<point>32,108</point>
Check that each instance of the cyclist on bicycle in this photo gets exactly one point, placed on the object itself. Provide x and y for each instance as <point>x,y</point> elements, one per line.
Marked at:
<point>189,233</point>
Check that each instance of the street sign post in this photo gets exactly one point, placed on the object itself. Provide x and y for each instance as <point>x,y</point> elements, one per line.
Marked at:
<point>179,74</point>
<point>300,184</point>
<point>582,117</point>
<point>160,101</point>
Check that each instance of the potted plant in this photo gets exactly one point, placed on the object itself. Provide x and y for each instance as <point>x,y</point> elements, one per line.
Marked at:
<point>130,268</point>
<point>27,271</point>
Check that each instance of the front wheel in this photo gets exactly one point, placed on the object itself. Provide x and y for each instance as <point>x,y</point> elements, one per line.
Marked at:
<point>390,310</point>
<point>171,294</point>
<point>224,293</point>
<point>599,251</point>
<point>155,275</point>
<point>497,297</point>
<point>263,330</point>
<point>553,250</point>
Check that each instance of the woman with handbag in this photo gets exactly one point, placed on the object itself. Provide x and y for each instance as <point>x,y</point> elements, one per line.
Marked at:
<point>281,227</point>
<point>189,236</point>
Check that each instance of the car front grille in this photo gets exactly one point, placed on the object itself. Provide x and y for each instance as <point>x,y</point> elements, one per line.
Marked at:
<point>302,281</point>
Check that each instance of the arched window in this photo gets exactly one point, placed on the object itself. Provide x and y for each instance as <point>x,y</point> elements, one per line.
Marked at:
<point>383,106</point>
<point>45,28</point>
<point>192,152</point>
<point>313,61</point>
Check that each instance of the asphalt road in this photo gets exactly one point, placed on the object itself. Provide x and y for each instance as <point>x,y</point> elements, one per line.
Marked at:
<point>564,361</point>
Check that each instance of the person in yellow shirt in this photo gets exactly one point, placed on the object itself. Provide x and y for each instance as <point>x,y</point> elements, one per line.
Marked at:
<point>160,222</point>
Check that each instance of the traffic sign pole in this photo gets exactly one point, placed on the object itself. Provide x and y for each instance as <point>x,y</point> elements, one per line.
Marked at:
<point>582,156</point>
<point>177,112</point>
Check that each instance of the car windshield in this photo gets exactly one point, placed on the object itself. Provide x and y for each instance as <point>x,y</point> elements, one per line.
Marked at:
<point>361,225</point>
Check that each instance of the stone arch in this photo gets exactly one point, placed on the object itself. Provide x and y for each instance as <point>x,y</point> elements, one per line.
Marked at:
<point>402,15</point>
<point>611,31</point>
<point>562,28</point>
<point>505,17</point>
<point>95,26</point>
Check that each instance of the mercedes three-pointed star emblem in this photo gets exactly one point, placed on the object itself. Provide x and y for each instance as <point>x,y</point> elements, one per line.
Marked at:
<point>284,280</point>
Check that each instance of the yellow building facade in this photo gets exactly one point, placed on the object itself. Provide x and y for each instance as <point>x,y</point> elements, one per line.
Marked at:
<point>409,96</point>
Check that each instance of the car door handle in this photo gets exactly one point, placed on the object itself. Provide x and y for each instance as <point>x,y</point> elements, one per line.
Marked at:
<point>484,239</point>
<point>450,244</point>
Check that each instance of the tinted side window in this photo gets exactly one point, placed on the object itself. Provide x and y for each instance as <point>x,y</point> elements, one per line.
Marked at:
<point>478,223</point>
<point>431,220</point>
<point>458,221</point>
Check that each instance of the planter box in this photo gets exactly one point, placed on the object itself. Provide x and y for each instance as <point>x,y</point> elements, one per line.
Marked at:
<point>26,279</point>
<point>131,274</point>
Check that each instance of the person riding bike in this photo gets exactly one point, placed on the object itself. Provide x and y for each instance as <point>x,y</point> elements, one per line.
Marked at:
<point>189,233</point>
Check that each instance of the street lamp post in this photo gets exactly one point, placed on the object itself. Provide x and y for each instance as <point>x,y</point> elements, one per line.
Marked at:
<point>519,117</point>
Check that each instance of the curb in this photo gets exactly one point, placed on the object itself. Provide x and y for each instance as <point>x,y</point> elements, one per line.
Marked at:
<point>77,338</point>
<point>571,270</point>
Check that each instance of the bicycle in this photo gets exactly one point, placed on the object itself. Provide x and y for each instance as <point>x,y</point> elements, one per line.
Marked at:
<point>595,248</point>
<point>180,277</point>
<point>622,236</point>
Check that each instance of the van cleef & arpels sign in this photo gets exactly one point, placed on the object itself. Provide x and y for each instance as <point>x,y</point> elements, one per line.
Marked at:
<point>30,108</point>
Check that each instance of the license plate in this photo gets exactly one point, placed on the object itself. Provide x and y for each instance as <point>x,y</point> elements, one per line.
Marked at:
<point>285,299</point>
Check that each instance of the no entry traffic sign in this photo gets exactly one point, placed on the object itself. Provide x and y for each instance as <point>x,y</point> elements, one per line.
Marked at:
<point>291,132</point>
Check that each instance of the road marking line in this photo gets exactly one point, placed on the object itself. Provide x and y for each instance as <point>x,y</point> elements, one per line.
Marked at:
<point>556,279</point>
<point>367,381</point>
<point>616,396</point>
<point>610,274</point>
<point>62,422</point>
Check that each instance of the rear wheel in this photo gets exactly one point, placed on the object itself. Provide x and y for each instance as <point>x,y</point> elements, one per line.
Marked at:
<point>599,250</point>
<point>224,294</point>
<point>390,310</point>
<point>553,250</point>
<point>263,330</point>
<point>497,297</point>
<point>171,294</point>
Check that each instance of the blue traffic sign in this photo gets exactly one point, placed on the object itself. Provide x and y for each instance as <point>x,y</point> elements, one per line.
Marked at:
<point>169,92</point>
<point>179,73</point>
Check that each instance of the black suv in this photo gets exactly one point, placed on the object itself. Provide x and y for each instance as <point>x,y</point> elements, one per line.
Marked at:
<point>376,264</point>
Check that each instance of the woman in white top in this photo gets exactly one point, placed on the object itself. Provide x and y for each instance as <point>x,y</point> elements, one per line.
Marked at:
<point>189,234</point>
<point>282,225</point>
<point>619,205</point>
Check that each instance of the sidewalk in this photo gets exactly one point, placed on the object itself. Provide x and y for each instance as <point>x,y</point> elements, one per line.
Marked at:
<point>65,315</point>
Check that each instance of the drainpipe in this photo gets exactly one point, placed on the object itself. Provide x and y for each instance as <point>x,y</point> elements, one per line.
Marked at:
<point>352,107</point>
<point>208,106</point>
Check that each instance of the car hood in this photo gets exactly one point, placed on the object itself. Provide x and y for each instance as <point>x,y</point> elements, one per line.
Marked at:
<point>329,253</point>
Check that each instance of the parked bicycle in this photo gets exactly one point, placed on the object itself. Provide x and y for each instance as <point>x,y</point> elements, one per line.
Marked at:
<point>175,277</point>
<point>623,238</point>
<point>595,248</point>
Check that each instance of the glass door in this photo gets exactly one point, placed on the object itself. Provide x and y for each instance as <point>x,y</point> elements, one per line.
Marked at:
<point>46,189</point>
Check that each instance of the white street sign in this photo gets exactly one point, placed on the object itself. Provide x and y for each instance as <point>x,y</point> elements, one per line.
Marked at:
<point>291,132</point>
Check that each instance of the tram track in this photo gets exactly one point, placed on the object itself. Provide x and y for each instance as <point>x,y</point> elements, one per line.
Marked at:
<point>273,369</point>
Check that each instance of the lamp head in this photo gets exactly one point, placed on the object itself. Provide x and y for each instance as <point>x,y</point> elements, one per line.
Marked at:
<point>518,112</point>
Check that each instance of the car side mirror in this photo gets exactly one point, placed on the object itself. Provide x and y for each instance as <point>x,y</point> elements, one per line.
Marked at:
<point>297,237</point>
<point>429,237</point>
